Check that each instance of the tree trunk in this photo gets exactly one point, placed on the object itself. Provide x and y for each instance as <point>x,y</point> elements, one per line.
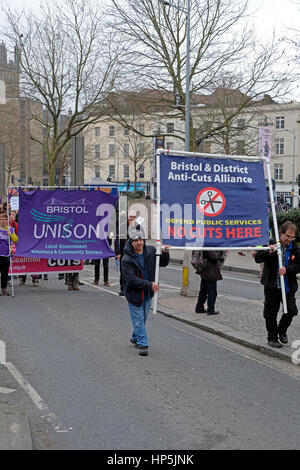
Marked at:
<point>51,173</point>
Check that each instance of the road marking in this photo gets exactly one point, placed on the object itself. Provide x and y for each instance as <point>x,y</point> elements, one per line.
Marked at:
<point>36,399</point>
<point>241,280</point>
<point>7,390</point>
<point>103,289</point>
<point>2,352</point>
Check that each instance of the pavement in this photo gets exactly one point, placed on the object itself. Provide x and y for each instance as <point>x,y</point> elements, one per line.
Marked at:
<point>239,321</point>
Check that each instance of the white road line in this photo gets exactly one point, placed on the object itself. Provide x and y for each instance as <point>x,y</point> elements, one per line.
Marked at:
<point>6,390</point>
<point>34,396</point>
<point>103,289</point>
<point>2,352</point>
<point>241,280</point>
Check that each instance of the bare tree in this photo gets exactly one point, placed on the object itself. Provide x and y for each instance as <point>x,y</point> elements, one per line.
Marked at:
<point>138,150</point>
<point>66,60</point>
<point>222,45</point>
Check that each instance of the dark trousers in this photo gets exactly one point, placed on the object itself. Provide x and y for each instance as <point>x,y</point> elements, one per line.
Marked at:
<point>208,291</point>
<point>273,299</point>
<point>105,269</point>
<point>4,267</point>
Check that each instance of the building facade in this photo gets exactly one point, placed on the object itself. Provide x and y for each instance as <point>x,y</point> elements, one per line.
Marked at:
<point>21,160</point>
<point>116,153</point>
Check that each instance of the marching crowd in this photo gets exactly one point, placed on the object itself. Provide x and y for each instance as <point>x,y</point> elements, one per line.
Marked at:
<point>137,276</point>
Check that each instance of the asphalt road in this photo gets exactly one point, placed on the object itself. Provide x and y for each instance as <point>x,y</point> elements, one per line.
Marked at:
<point>193,391</point>
<point>234,283</point>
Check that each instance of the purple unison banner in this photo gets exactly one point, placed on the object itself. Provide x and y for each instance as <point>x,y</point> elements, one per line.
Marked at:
<point>61,224</point>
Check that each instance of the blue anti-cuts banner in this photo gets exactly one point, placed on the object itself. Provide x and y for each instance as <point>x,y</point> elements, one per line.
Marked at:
<point>61,224</point>
<point>213,202</point>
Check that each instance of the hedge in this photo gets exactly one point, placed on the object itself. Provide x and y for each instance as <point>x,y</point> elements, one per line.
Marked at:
<point>293,216</point>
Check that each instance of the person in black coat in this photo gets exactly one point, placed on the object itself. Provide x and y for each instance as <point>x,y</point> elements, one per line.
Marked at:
<point>271,281</point>
<point>138,268</point>
<point>208,286</point>
<point>121,241</point>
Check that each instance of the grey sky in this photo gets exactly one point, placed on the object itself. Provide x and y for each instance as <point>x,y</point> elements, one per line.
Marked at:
<point>279,14</point>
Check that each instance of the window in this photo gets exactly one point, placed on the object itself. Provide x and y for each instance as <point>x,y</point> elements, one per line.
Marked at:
<point>111,171</point>
<point>279,146</point>
<point>141,171</point>
<point>125,171</point>
<point>142,128</point>
<point>111,131</point>
<point>97,171</point>
<point>97,131</point>
<point>111,150</point>
<point>170,127</point>
<point>170,145</point>
<point>278,171</point>
<point>240,147</point>
<point>279,122</point>
<point>97,151</point>
<point>141,149</point>
<point>125,150</point>
<point>126,131</point>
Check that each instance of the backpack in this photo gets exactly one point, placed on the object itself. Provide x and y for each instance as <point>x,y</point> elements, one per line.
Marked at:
<point>198,261</point>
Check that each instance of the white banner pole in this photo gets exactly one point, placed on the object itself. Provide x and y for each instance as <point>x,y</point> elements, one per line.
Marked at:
<point>277,238</point>
<point>158,242</point>
<point>9,246</point>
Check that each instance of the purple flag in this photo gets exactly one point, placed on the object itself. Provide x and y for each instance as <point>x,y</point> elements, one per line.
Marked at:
<point>65,224</point>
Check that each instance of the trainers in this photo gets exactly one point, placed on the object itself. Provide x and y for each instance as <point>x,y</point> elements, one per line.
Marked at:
<point>213,313</point>
<point>70,288</point>
<point>76,288</point>
<point>95,283</point>
<point>274,343</point>
<point>143,350</point>
<point>200,310</point>
<point>107,284</point>
<point>134,343</point>
<point>283,338</point>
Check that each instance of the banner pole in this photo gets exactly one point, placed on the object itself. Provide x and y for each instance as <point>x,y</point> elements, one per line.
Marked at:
<point>158,242</point>
<point>277,238</point>
<point>9,247</point>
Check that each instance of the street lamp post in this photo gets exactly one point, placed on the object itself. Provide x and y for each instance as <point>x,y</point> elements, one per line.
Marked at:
<point>187,11</point>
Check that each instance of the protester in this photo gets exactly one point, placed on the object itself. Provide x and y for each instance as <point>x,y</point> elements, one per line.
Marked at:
<point>73,281</point>
<point>272,286</point>
<point>5,233</point>
<point>34,277</point>
<point>138,268</point>
<point>121,242</point>
<point>105,262</point>
<point>208,285</point>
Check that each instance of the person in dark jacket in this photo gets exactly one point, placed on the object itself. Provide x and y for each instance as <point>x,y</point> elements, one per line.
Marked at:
<point>138,268</point>
<point>271,281</point>
<point>121,241</point>
<point>208,285</point>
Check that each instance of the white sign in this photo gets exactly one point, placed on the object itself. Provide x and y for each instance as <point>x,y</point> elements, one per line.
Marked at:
<point>14,203</point>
